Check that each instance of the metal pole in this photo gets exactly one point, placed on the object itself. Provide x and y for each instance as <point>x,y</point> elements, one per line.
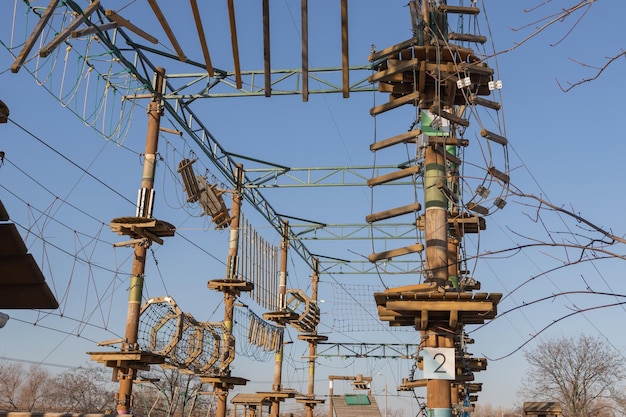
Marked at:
<point>127,375</point>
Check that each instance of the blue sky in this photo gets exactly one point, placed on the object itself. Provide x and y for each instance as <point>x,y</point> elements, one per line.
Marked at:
<point>63,183</point>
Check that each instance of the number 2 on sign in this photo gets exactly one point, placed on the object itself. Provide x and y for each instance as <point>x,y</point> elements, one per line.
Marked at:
<point>438,363</point>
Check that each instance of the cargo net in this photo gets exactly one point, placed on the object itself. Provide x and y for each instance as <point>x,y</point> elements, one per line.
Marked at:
<point>353,309</point>
<point>186,344</point>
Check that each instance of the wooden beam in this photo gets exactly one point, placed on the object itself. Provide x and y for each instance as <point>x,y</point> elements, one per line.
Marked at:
<point>345,63</point>
<point>388,214</point>
<point>234,42</point>
<point>168,30</point>
<point>93,29</point>
<point>394,67</point>
<point>67,31</point>
<point>418,247</point>
<point>266,48</point>
<point>409,98</point>
<point>304,11</point>
<point>402,173</point>
<point>114,17</point>
<point>202,37</point>
<point>30,42</point>
<point>405,137</point>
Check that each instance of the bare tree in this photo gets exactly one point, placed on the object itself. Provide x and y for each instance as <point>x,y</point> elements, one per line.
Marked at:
<point>176,393</point>
<point>32,392</point>
<point>10,382</point>
<point>571,16</point>
<point>580,374</point>
<point>82,390</point>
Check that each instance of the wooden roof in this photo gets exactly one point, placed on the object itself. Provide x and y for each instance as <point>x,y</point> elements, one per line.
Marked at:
<point>22,284</point>
<point>344,409</point>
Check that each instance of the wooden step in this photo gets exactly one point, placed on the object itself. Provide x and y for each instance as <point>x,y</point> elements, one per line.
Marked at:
<point>447,141</point>
<point>449,157</point>
<point>409,98</point>
<point>493,137</point>
<point>436,110</point>
<point>388,214</point>
<point>459,9</point>
<point>403,173</point>
<point>418,247</point>
<point>476,68</point>
<point>395,66</point>
<point>467,37</point>
<point>474,99</point>
<point>477,208</point>
<point>394,49</point>
<point>405,137</point>
<point>499,175</point>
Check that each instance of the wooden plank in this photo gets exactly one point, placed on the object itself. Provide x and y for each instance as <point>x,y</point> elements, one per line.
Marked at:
<point>67,31</point>
<point>394,49</point>
<point>267,67</point>
<point>410,136</point>
<point>345,63</point>
<point>168,30</point>
<point>449,116</point>
<point>409,98</point>
<point>394,67</point>
<point>441,305</point>
<point>459,9</point>
<point>202,37</point>
<point>234,42</point>
<point>466,37</point>
<point>418,247</point>
<point>30,42</point>
<point>114,17</point>
<point>94,29</point>
<point>403,173</point>
<point>395,212</point>
<point>493,137</point>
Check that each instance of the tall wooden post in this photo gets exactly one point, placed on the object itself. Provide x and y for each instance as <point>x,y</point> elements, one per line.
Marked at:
<point>282,301</point>
<point>127,375</point>
<point>231,288</point>
<point>439,399</point>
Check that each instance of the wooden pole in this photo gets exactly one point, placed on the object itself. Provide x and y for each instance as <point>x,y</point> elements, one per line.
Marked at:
<point>127,375</point>
<point>282,296</point>
<point>438,393</point>
<point>220,388</point>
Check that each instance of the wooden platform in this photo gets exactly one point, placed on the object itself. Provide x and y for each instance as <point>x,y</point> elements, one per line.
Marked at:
<point>424,308</point>
<point>135,359</point>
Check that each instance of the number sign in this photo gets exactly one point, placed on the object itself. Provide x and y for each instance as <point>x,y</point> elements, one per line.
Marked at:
<point>438,363</point>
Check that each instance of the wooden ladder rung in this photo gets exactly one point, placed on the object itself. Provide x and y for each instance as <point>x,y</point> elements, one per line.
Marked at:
<point>484,102</point>
<point>476,68</point>
<point>409,98</point>
<point>394,67</point>
<point>394,212</point>
<point>467,37</point>
<point>449,157</point>
<point>403,173</point>
<point>405,137</point>
<point>418,247</point>
<point>436,110</point>
<point>499,175</point>
<point>493,137</point>
<point>459,9</point>
<point>392,49</point>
